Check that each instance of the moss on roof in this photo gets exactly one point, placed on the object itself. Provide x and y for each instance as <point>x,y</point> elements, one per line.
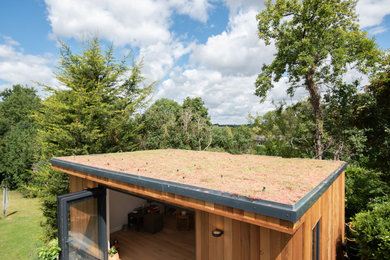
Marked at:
<point>258,177</point>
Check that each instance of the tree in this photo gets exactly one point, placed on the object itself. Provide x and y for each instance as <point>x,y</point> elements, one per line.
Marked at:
<point>316,41</point>
<point>95,112</point>
<point>344,140</point>
<point>242,140</point>
<point>18,142</point>
<point>160,125</point>
<point>195,124</point>
<point>287,130</point>
<point>166,124</point>
<point>222,138</point>
<point>197,106</point>
<point>374,119</point>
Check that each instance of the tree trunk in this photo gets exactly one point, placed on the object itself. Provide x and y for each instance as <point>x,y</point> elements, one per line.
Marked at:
<point>315,100</point>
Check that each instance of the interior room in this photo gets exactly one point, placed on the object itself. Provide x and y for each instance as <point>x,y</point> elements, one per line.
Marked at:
<point>141,228</point>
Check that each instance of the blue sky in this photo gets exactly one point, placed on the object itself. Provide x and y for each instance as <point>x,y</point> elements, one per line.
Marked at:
<point>192,48</point>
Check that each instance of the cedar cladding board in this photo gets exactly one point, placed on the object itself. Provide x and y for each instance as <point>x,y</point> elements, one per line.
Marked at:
<point>271,186</point>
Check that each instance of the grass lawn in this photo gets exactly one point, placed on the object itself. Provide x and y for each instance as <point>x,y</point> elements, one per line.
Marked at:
<point>19,229</point>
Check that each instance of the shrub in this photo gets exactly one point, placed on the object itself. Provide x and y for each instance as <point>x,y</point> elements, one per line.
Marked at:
<point>373,229</point>
<point>49,252</point>
<point>363,187</point>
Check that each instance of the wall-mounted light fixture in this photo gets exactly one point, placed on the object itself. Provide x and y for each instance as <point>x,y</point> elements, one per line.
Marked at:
<point>217,232</point>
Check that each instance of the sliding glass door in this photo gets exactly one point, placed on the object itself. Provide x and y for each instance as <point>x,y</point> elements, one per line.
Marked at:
<point>82,224</point>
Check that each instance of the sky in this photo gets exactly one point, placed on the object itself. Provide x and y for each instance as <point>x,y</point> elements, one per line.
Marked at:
<point>194,48</point>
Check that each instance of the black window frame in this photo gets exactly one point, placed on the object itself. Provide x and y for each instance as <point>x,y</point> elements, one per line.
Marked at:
<point>63,206</point>
<point>316,241</point>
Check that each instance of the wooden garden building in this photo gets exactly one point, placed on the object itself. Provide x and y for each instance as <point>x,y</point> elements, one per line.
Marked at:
<point>178,204</point>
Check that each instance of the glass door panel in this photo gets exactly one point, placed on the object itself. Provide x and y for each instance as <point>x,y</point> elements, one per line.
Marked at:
<point>82,225</point>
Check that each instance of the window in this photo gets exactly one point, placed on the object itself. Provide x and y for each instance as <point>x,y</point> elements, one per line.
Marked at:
<point>316,241</point>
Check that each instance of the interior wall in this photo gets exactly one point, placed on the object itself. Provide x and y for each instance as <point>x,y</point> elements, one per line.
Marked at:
<point>121,204</point>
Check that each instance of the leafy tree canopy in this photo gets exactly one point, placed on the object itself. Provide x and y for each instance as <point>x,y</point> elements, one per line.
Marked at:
<point>316,42</point>
<point>17,104</point>
<point>197,106</point>
<point>169,125</point>
<point>161,125</point>
<point>287,131</point>
<point>374,118</point>
<point>18,144</point>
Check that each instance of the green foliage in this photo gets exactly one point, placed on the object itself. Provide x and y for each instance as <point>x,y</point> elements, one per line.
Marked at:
<point>17,104</point>
<point>373,229</point>
<point>197,106</point>
<point>196,129</point>
<point>18,143</point>
<point>374,119</point>
<point>112,251</point>
<point>47,184</point>
<point>344,140</point>
<point>49,252</point>
<point>235,140</point>
<point>160,123</point>
<point>243,141</point>
<point>166,124</point>
<point>222,138</point>
<point>316,41</point>
<point>96,111</point>
<point>362,188</point>
<point>287,131</point>
<point>312,34</point>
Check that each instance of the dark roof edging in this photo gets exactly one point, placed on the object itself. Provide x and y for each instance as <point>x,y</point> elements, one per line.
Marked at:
<point>265,207</point>
<point>302,205</point>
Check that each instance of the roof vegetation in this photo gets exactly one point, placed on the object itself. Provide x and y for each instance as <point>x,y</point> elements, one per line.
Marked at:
<point>253,176</point>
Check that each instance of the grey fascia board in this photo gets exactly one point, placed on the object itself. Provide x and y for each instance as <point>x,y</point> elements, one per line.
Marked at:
<point>274,209</point>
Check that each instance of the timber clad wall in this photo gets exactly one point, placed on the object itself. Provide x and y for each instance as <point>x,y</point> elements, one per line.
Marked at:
<point>246,241</point>
<point>248,235</point>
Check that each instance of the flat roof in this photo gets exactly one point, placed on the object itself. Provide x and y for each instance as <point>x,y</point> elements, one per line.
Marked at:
<point>217,177</point>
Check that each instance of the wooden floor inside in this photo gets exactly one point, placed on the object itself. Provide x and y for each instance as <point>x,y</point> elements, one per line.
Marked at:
<point>169,243</point>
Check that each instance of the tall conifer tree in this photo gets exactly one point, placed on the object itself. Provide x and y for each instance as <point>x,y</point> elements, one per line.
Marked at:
<point>95,110</point>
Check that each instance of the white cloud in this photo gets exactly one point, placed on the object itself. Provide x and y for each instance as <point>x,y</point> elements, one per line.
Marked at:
<point>372,12</point>
<point>222,70</point>
<point>236,51</point>
<point>377,30</point>
<point>159,58</point>
<point>139,24</point>
<point>196,9</point>
<point>243,6</point>
<point>226,66</point>
<point>229,98</point>
<point>9,41</point>
<point>16,67</point>
<point>123,22</point>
